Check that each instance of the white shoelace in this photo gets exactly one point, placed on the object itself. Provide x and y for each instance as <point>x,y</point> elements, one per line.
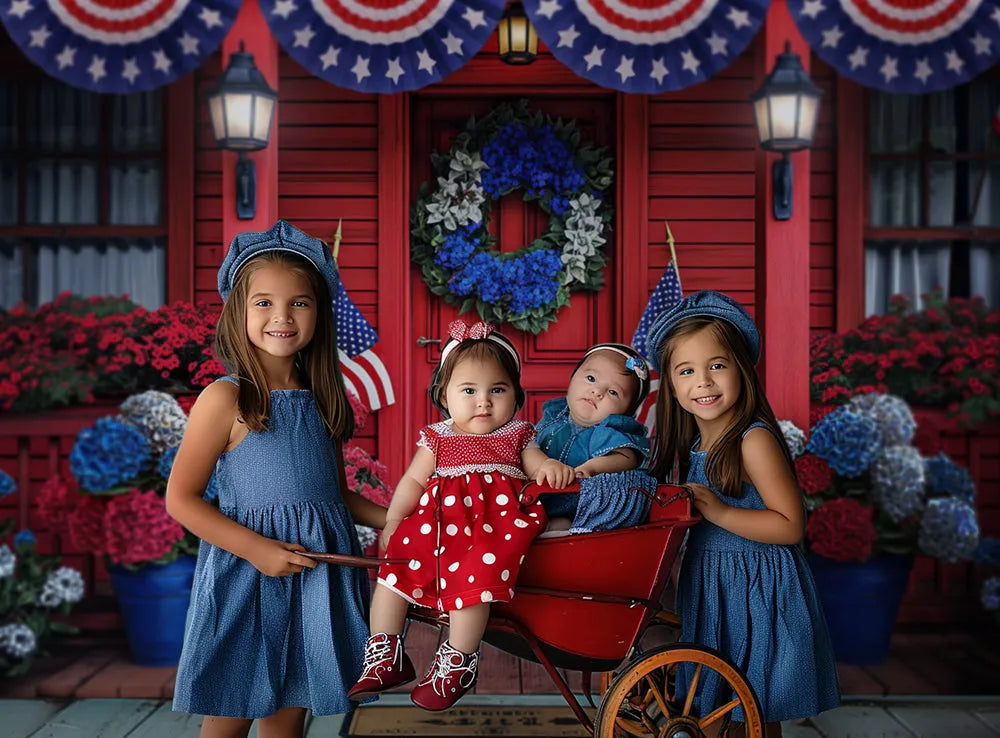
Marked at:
<point>448,661</point>
<point>375,653</point>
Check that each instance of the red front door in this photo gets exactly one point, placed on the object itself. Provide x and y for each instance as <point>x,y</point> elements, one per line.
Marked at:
<point>547,358</point>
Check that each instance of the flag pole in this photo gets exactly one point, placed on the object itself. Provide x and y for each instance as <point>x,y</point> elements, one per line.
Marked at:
<point>670,242</point>
<point>336,239</point>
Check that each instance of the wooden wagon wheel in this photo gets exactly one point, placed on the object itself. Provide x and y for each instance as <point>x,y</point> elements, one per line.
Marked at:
<point>662,618</point>
<point>642,699</point>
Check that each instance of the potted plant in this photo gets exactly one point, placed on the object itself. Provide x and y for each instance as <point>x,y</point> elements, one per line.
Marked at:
<point>114,506</point>
<point>873,502</point>
<point>34,591</point>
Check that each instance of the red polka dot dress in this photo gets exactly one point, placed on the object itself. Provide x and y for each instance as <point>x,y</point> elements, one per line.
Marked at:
<point>468,534</point>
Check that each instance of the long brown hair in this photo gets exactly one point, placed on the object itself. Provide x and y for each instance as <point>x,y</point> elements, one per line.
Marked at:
<point>317,363</point>
<point>676,428</point>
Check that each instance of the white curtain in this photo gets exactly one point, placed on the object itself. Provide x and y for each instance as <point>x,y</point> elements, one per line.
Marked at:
<point>66,191</point>
<point>133,267</point>
<point>913,268</point>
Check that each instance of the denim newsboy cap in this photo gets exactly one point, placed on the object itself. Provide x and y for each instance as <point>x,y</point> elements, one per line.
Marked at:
<point>282,236</point>
<point>703,304</point>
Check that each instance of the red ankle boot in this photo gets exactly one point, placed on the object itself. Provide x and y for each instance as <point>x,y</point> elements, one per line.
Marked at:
<point>451,675</point>
<point>386,666</point>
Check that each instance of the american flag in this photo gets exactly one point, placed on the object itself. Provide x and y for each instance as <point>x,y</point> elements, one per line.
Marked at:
<point>666,294</point>
<point>364,373</point>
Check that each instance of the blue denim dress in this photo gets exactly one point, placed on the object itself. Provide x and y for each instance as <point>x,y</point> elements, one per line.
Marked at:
<point>605,501</point>
<point>756,604</point>
<point>254,644</point>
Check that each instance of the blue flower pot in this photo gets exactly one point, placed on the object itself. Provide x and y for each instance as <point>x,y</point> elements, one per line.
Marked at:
<point>860,601</point>
<point>154,603</point>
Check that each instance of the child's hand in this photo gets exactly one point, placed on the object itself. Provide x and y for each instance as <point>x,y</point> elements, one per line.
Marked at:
<point>707,502</point>
<point>555,474</point>
<point>279,559</point>
<point>387,531</point>
<point>583,471</point>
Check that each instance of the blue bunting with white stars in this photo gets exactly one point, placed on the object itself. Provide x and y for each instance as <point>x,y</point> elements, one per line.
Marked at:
<point>385,47</point>
<point>646,46</point>
<point>912,48</point>
<point>120,47</point>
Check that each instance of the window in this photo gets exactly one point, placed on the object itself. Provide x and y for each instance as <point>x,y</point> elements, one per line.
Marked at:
<point>934,195</point>
<point>81,191</point>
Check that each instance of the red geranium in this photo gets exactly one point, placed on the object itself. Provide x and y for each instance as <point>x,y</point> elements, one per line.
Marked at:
<point>841,530</point>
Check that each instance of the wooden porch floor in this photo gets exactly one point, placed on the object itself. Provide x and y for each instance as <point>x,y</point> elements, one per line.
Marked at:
<point>919,663</point>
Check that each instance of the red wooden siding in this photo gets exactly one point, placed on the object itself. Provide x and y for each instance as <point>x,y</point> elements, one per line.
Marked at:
<point>208,193</point>
<point>823,205</point>
<point>701,179</point>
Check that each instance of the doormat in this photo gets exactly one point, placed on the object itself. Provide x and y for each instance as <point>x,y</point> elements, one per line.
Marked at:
<point>523,721</point>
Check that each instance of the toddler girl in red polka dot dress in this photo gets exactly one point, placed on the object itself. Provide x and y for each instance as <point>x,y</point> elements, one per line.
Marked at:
<point>456,518</point>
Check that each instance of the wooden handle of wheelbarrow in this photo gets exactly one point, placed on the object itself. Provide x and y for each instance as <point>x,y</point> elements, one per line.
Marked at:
<point>532,489</point>
<point>362,562</point>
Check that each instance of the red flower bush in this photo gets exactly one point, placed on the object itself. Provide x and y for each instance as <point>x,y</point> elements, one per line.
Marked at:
<point>366,476</point>
<point>57,500</point>
<point>70,350</point>
<point>138,529</point>
<point>86,524</point>
<point>946,354</point>
<point>842,530</point>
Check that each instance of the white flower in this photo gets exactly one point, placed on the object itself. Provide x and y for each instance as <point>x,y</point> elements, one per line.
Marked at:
<point>795,437</point>
<point>62,585</point>
<point>158,416</point>
<point>366,536</point>
<point>7,561</point>
<point>17,640</point>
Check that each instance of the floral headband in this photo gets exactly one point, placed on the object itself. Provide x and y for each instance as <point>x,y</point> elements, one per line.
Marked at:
<point>459,330</point>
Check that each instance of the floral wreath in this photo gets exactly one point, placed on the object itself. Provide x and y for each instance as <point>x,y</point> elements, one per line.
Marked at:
<point>512,148</point>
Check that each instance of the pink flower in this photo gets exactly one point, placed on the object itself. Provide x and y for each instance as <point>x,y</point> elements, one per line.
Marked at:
<point>138,529</point>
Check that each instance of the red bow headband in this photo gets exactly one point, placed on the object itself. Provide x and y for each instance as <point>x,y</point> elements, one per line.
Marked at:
<point>460,331</point>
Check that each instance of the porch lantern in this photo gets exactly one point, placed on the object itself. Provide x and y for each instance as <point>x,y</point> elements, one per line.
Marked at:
<point>516,36</point>
<point>241,105</point>
<point>785,110</point>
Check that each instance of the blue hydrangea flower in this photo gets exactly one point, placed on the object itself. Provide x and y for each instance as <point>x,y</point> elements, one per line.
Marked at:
<point>8,560</point>
<point>847,440</point>
<point>892,414</point>
<point>166,463</point>
<point>987,553</point>
<point>108,454</point>
<point>17,640</point>
<point>795,437</point>
<point>946,478</point>
<point>948,530</point>
<point>7,484</point>
<point>24,537</point>
<point>897,475</point>
<point>989,595</point>
<point>158,416</point>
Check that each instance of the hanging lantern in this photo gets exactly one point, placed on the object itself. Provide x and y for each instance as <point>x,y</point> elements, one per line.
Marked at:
<point>516,36</point>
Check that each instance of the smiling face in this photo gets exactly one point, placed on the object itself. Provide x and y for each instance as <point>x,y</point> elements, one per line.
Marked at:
<point>281,311</point>
<point>705,378</point>
<point>480,396</point>
<point>601,386</point>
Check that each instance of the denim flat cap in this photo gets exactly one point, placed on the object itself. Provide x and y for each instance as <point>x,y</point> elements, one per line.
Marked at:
<point>282,236</point>
<point>704,304</point>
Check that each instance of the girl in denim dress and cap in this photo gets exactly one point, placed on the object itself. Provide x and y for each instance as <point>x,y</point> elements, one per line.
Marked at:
<point>593,431</point>
<point>745,589</point>
<point>269,632</point>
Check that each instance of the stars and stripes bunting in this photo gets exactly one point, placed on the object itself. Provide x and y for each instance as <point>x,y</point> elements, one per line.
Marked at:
<point>385,46</point>
<point>118,47</point>
<point>646,46</point>
<point>909,47</point>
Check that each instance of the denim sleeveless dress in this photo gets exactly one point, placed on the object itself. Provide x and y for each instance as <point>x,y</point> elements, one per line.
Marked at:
<point>254,644</point>
<point>756,604</point>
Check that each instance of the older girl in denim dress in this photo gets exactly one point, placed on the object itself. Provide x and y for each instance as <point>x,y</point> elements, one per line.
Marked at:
<point>593,430</point>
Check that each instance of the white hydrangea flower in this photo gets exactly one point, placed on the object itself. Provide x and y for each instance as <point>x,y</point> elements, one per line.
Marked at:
<point>795,437</point>
<point>366,536</point>
<point>17,640</point>
<point>8,560</point>
<point>158,416</point>
<point>62,585</point>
